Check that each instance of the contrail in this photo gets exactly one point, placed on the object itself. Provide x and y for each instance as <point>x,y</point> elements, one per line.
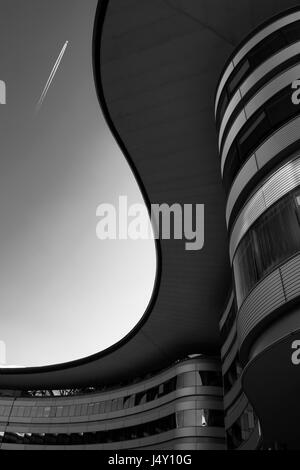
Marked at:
<point>52,75</point>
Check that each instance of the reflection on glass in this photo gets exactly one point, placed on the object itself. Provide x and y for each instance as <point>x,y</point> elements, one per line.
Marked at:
<point>273,238</point>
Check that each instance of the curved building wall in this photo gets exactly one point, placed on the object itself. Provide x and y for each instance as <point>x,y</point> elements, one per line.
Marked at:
<point>180,408</point>
<point>258,124</point>
<point>241,423</point>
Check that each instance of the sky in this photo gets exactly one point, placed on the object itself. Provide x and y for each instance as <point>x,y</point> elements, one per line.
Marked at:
<point>64,294</point>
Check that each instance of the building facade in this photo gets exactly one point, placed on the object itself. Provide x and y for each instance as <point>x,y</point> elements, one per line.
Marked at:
<point>258,121</point>
<point>180,408</point>
<point>253,404</point>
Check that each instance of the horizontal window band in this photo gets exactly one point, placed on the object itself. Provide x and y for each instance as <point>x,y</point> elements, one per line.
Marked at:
<point>278,41</point>
<point>272,240</point>
<point>278,111</point>
<point>254,40</point>
<point>259,74</point>
<point>261,98</point>
<point>278,142</point>
<point>276,72</point>
<point>278,185</point>
<point>269,300</point>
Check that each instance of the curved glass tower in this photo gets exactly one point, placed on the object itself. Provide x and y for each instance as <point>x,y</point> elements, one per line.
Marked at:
<point>258,120</point>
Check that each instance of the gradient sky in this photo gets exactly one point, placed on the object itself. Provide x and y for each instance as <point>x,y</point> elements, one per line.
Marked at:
<point>64,294</point>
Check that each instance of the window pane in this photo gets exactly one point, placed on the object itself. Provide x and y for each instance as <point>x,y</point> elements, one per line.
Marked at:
<point>272,239</point>
<point>238,77</point>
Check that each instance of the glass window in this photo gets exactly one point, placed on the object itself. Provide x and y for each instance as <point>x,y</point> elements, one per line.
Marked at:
<point>27,438</point>
<point>50,439</point>
<point>242,429</point>
<point>170,385</point>
<point>232,167</point>
<point>114,405</point>
<point>209,378</point>
<point>254,132</point>
<point>259,54</point>
<point>238,76</point>
<point>27,411</point>
<point>134,432</point>
<point>152,394</point>
<point>127,402</point>
<point>245,268</point>
<point>92,437</point>
<point>63,439</point>
<point>76,439</point>
<point>140,398</point>
<point>234,436</point>
<point>102,407</point>
<point>108,406</point>
<point>232,374</point>
<point>202,418</point>
<point>266,49</point>
<point>14,412</point>
<point>277,111</point>
<point>180,419</point>
<point>7,411</point>
<point>12,438</point>
<point>292,32</point>
<point>96,408</point>
<point>229,323</point>
<point>21,410</point>
<point>72,411</point>
<point>180,381</point>
<point>273,238</point>
<point>216,418</point>
<point>281,108</point>
<point>40,412</point>
<point>84,409</point>
<point>47,411</point>
<point>59,411</point>
<point>120,405</point>
<point>78,410</point>
<point>38,439</point>
<point>34,412</point>
<point>224,101</point>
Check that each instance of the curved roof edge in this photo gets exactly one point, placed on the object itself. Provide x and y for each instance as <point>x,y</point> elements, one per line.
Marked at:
<point>39,371</point>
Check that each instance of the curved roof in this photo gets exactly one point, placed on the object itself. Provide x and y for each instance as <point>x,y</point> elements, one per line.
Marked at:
<point>157,65</point>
